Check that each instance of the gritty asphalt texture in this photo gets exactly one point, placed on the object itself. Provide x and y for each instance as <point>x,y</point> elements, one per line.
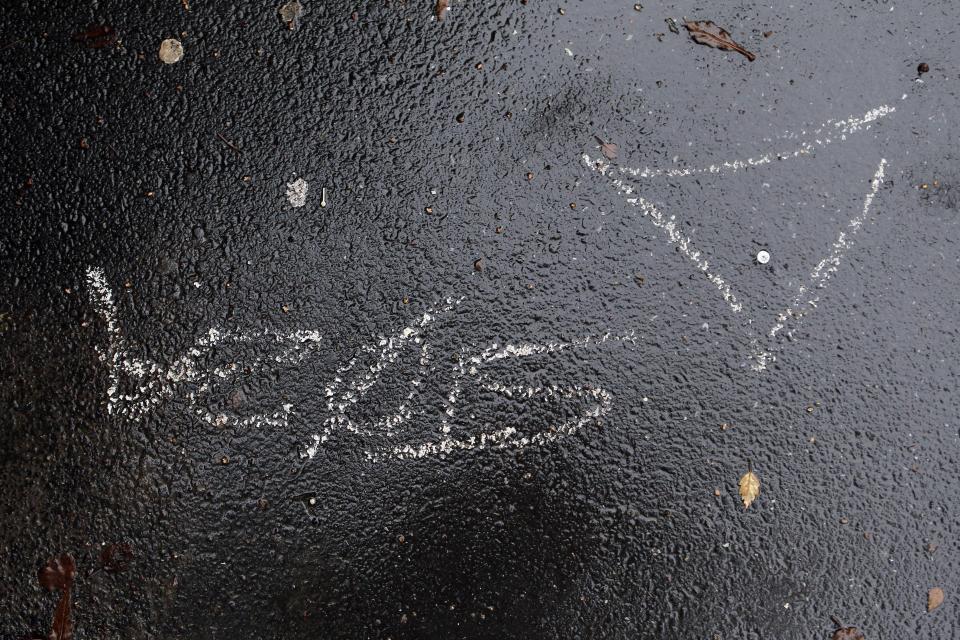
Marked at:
<point>172,178</point>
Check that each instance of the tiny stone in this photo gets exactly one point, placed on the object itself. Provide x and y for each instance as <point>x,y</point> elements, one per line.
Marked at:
<point>763,257</point>
<point>171,51</point>
<point>922,68</point>
<point>289,13</point>
<point>461,117</point>
<point>638,7</point>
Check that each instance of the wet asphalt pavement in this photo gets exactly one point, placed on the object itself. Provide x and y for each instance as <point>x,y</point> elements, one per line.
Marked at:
<point>492,389</point>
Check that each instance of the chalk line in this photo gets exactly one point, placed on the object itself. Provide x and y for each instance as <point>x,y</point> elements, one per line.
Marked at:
<point>822,136</point>
<point>806,299</point>
<point>670,227</point>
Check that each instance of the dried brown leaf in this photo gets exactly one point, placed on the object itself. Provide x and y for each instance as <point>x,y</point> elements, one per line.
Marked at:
<point>847,633</point>
<point>608,149</point>
<point>706,32</point>
<point>62,621</point>
<point>749,488</point>
<point>59,573</point>
<point>934,598</point>
<point>441,9</point>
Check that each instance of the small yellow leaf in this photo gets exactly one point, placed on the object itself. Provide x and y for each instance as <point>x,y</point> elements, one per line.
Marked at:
<point>749,488</point>
<point>934,598</point>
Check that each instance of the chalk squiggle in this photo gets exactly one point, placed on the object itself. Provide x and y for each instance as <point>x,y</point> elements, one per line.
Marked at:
<point>146,383</point>
<point>155,383</point>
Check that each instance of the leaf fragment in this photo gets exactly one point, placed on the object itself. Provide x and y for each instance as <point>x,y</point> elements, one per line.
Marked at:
<point>59,573</point>
<point>934,598</point>
<point>608,149</point>
<point>847,633</point>
<point>749,488</point>
<point>708,33</point>
<point>441,9</point>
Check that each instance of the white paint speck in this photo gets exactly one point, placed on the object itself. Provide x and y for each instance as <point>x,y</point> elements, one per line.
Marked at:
<point>763,257</point>
<point>297,192</point>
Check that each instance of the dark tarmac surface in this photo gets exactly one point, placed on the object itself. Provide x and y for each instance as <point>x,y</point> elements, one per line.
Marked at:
<point>145,204</point>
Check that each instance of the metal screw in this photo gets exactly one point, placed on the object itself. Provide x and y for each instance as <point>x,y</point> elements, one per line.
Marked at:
<point>323,197</point>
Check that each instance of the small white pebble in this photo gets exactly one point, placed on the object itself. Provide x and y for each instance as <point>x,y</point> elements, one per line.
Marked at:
<point>763,257</point>
<point>171,51</point>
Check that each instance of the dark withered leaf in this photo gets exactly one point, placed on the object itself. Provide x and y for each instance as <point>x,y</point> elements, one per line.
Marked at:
<point>706,32</point>
<point>58,573</point>
<point>441,8</point>
<point>847,633</point>
<point>116,557</point>
<point>62,620</point>
<point>96,36</point>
